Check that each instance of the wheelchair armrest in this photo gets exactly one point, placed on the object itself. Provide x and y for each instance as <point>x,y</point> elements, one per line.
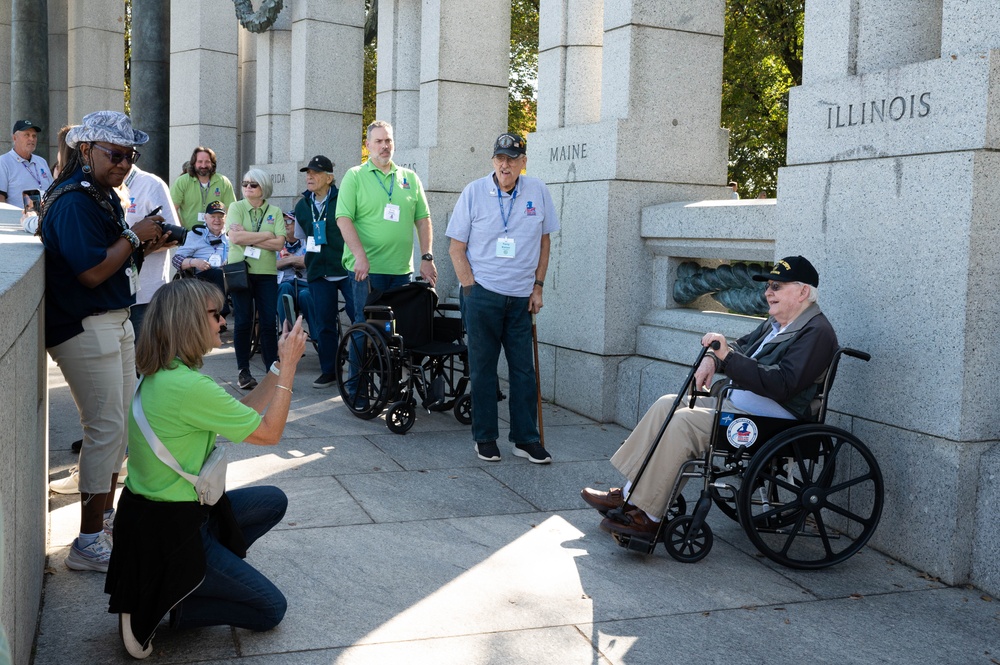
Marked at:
<point>854,353</point>
<point>447,307</point>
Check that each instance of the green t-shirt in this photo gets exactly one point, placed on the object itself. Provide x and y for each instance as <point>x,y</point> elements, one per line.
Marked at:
<point>265,218</point>
<point>364,193</point>
<point>186,409</point>
<point>192,199</point>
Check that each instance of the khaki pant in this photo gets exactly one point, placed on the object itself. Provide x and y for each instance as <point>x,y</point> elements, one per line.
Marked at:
<point>99,366</point>
<point>686,438</point>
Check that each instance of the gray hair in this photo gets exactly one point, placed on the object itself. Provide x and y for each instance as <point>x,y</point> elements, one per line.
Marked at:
<point>813,293</point>
<point>376,124</point>
<point>261,177</point>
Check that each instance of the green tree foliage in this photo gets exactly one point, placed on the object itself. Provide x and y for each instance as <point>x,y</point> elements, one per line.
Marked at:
<point>762,60</point>
<point>522,98</point>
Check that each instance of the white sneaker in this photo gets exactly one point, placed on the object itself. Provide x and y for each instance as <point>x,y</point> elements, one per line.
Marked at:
<point>71,483</point>
<point>95,556</point>
<point>128,639</point>
<point>109,525</point>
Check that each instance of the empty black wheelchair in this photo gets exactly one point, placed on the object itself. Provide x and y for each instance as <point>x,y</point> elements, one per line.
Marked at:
<point>409,346</point>
<point>807,494</point>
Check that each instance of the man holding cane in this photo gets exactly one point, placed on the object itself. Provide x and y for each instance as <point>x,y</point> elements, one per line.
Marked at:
<point>500,250</point>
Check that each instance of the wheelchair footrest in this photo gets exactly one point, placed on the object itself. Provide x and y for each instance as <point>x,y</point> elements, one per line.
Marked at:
<point>635,543</point>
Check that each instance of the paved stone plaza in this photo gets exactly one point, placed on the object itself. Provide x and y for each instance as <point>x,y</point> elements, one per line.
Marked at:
<point>408,549</point>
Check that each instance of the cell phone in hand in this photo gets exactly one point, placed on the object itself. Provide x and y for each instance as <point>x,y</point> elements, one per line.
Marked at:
<point>288,304</point>
<point>32,199</point>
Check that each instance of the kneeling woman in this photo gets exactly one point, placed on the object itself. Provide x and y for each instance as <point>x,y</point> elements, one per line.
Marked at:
<point>173,554</point>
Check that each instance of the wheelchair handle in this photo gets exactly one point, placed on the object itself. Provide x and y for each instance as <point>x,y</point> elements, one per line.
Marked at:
<point>854,353</point>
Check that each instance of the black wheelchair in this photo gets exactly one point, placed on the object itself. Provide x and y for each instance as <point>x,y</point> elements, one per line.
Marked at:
<point>409,343</point>
<point>808,495</point>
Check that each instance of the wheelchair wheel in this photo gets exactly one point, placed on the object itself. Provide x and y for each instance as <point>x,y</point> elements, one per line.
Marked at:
<point>682,544</point>
<point>463,409</point>
<point>811,497</point>
<point>400,417</point>
<point>364,363</point>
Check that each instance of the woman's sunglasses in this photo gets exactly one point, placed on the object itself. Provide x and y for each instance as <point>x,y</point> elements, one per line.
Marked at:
<point>116,156</point>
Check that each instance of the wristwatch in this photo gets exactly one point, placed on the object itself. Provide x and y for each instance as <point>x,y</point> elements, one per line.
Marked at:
<point>427,257</point>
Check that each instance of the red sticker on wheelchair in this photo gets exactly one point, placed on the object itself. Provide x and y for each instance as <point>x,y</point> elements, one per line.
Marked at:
<point>741,433</point>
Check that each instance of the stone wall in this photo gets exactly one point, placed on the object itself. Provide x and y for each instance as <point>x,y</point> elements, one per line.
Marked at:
<point>23,433</point>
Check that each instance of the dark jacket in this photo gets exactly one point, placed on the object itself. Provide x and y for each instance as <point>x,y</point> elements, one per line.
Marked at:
<point>329,261</point>
<point>791,367</point>
<point>158,558</point>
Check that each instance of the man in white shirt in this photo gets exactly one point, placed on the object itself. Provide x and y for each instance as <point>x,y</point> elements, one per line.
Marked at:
<point>148,193</point>
<point>20,169</point>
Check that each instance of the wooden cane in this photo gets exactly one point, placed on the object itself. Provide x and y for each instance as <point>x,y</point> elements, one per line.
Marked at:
<point>538,381</point>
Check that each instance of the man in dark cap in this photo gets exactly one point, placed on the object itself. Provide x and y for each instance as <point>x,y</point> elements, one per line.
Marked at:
<point>777,369</point>
<point>316,224</point>
<point>500,250</point>
<point>20,169</point>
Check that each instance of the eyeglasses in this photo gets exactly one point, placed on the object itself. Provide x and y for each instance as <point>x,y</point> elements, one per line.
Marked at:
<point>777,286</point>
<point>250,184</point>
<point>215,313</point>
<point>116,156</point>
<point>506,159</point>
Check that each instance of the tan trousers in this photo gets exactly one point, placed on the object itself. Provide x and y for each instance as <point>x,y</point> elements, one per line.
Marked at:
<point>686,438</point>
<point>99,366</point>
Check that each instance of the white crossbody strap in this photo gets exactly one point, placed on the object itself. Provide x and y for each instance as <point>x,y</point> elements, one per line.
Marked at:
<point>153,440</point>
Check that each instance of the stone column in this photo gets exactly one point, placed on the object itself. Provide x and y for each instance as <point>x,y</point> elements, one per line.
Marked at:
<point>893,187</point>
<point>657,140</point>
<point>58,72</point>
<point>398,77</point>
<point>29,63</point>
<point>96,57</point>
<point>5,53</point>
<point>247,147</point>
<point>150,79</point>
<point>464,77</point>
<point>570,36</point>
<point>203,82</point>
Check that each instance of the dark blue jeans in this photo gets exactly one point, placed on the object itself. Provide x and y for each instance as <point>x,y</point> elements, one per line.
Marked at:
<point>493,321</point>
<point>326,305</point>
<point>263,294</point>
<point>361,291</point>
<point>298,289</point>
<point>235,593</point>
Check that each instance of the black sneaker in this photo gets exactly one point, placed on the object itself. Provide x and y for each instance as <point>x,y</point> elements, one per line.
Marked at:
<point>488,451</point>
<point>325,381</point>
<point>533,451</point>
<point>247,382</point>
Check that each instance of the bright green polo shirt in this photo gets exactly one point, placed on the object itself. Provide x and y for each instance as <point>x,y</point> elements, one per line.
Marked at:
<point>364,193</point>
<point>188,194</point>
<point>265,218</point>
<point>186,409</point>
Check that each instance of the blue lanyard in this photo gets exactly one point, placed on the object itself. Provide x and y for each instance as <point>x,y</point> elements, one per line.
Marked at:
<point>392,183</point>
<point>319,213</point>
<point>505,216</point>
<point>31,172</point>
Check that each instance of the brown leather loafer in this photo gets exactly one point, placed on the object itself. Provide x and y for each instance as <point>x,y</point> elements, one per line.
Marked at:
<point>603,501</point>
<point>636,523</point>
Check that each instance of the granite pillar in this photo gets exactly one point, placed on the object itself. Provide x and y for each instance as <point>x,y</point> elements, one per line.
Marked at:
<point>570,36</point>
<point>29,63</point>
<point>892,187</point>
<point>58,72</point>
<point>397,82</point>
<point>247,96</point>
<point>5,120</point>
<point>95,37</point>
<point>203,82</point>
<point>602,175</point>
<point>150,78</point>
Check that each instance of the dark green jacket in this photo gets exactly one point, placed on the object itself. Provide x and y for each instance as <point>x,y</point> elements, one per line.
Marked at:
<point>791,367</point>
<point>328,262</point>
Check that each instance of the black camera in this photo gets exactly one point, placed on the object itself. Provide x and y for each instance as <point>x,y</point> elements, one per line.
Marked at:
<point>178,233</point>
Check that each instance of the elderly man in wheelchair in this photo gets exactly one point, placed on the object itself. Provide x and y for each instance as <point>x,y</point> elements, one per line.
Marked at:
<point>777,371</point>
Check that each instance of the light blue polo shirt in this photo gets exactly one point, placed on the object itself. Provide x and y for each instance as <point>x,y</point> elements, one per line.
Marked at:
<point>478,221</point>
